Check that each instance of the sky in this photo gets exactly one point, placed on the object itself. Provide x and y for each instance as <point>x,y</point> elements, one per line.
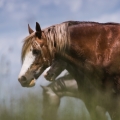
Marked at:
<point>15,15</point>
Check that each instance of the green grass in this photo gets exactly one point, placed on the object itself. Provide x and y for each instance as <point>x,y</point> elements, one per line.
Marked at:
<point>29,107</point>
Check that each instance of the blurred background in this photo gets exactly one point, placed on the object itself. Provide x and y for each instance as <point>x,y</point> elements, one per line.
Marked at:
<point>21,103</point>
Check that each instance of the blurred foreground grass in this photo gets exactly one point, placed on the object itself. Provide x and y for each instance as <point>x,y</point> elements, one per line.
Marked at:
<point>26,108</point>
<point>29,107</point>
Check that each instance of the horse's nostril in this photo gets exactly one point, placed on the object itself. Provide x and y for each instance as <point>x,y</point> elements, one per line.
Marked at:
<point>22,79</point>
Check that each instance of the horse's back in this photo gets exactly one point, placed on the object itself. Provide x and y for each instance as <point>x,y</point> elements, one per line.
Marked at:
<point>97,42</point>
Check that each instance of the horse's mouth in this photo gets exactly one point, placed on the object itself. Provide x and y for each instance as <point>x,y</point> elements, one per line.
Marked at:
<point>30,84</point>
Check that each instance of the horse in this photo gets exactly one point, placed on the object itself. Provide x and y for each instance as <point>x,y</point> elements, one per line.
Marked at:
<point>91,47</point>
<point>66,86</point>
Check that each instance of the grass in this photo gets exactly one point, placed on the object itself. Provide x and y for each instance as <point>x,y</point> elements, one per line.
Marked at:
<point>29,107</point>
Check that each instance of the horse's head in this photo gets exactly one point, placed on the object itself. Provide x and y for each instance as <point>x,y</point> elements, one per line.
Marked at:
<point>56,68</point>
<point>35,57</point>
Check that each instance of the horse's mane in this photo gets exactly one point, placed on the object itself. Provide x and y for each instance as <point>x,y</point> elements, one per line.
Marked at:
<point>90,23</point>
<point>57,37</point>
<point>26,44</point>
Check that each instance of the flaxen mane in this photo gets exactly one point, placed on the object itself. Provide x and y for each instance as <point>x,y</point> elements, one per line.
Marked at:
<point>57,37</point>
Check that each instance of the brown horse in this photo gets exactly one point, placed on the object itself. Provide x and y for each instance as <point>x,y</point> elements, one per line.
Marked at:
<point>67,86</point>
<point>90,47</point>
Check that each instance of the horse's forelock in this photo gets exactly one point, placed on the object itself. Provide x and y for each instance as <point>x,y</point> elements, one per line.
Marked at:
<point>26,44</point>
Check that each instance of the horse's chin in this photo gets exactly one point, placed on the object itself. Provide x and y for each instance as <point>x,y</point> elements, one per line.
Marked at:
<point>32,83</point>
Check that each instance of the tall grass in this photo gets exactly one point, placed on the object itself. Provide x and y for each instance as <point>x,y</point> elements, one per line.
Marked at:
<point>24,108</point>
<point>29,107</point>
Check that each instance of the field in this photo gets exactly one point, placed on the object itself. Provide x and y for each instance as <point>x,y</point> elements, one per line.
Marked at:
<point>29,107</point>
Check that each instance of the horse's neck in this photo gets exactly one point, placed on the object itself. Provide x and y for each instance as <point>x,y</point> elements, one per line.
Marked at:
<point>71,60</point>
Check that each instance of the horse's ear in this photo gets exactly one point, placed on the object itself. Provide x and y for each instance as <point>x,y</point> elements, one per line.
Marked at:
<point>30,30</point>
<point>38,30</point>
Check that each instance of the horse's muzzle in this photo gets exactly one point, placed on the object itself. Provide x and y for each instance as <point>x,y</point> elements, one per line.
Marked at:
<point>49,76</point>
<point>23,81</point>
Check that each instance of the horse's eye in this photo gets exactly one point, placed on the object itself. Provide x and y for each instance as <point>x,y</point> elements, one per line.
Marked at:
<point>35,52</point>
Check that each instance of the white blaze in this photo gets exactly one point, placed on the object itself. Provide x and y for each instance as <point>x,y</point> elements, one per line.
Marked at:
<point>28,61</point>
<point>45,72</point>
